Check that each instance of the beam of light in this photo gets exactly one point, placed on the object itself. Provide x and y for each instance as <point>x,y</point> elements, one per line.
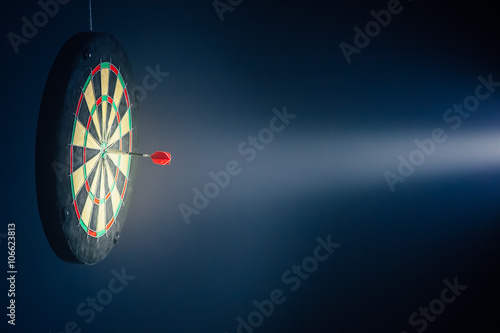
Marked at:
<point>360,159</point>
<point>311,163</point>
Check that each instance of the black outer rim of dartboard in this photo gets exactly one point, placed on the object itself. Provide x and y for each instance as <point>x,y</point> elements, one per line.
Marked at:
<point>72,66</point>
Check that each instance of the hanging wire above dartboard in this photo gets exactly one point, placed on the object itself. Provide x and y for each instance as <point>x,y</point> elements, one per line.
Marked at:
<point>90,15</point>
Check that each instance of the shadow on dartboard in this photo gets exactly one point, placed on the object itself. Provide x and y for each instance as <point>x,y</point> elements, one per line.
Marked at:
<point>86,123</point>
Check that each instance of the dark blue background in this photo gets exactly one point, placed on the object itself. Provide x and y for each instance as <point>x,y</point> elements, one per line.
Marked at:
<point>323,175</point>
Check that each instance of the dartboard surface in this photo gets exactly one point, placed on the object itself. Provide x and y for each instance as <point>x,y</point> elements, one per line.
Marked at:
<point>84,184</point>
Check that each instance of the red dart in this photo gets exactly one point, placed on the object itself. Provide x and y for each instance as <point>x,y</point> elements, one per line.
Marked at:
<point>158,157</point>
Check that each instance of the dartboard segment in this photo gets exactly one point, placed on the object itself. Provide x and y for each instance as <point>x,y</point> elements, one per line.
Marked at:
<point>95,115</point>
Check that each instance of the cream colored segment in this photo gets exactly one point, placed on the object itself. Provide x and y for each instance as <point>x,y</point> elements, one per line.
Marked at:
<point>104,92</point>
<point>78,180</point>
<point>104,116</point>
<point>79,135</point>
<point>124,164</point>
<point>91,164</point>
<point>78,175</point>
<point>110,184</point>
<point>117,97</point>
<point>115,195</point>
<point>115,136</point>
<point>114,158</point>
<point>125,123</point>
<point>115,199</point>
<point>104,81</point>
<point>95,120</point>
<point>125,128</point>
<point>89,95</point>
<point>92,143</point>
<point>90,99</point>
<point>87,211</point>
<point>101,217</point>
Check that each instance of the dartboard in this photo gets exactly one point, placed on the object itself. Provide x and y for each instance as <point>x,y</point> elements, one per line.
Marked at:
<point>83,170</point>
<point>99,180</point>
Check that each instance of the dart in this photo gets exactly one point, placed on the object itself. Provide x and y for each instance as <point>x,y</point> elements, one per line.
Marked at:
<point>158,157</point>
